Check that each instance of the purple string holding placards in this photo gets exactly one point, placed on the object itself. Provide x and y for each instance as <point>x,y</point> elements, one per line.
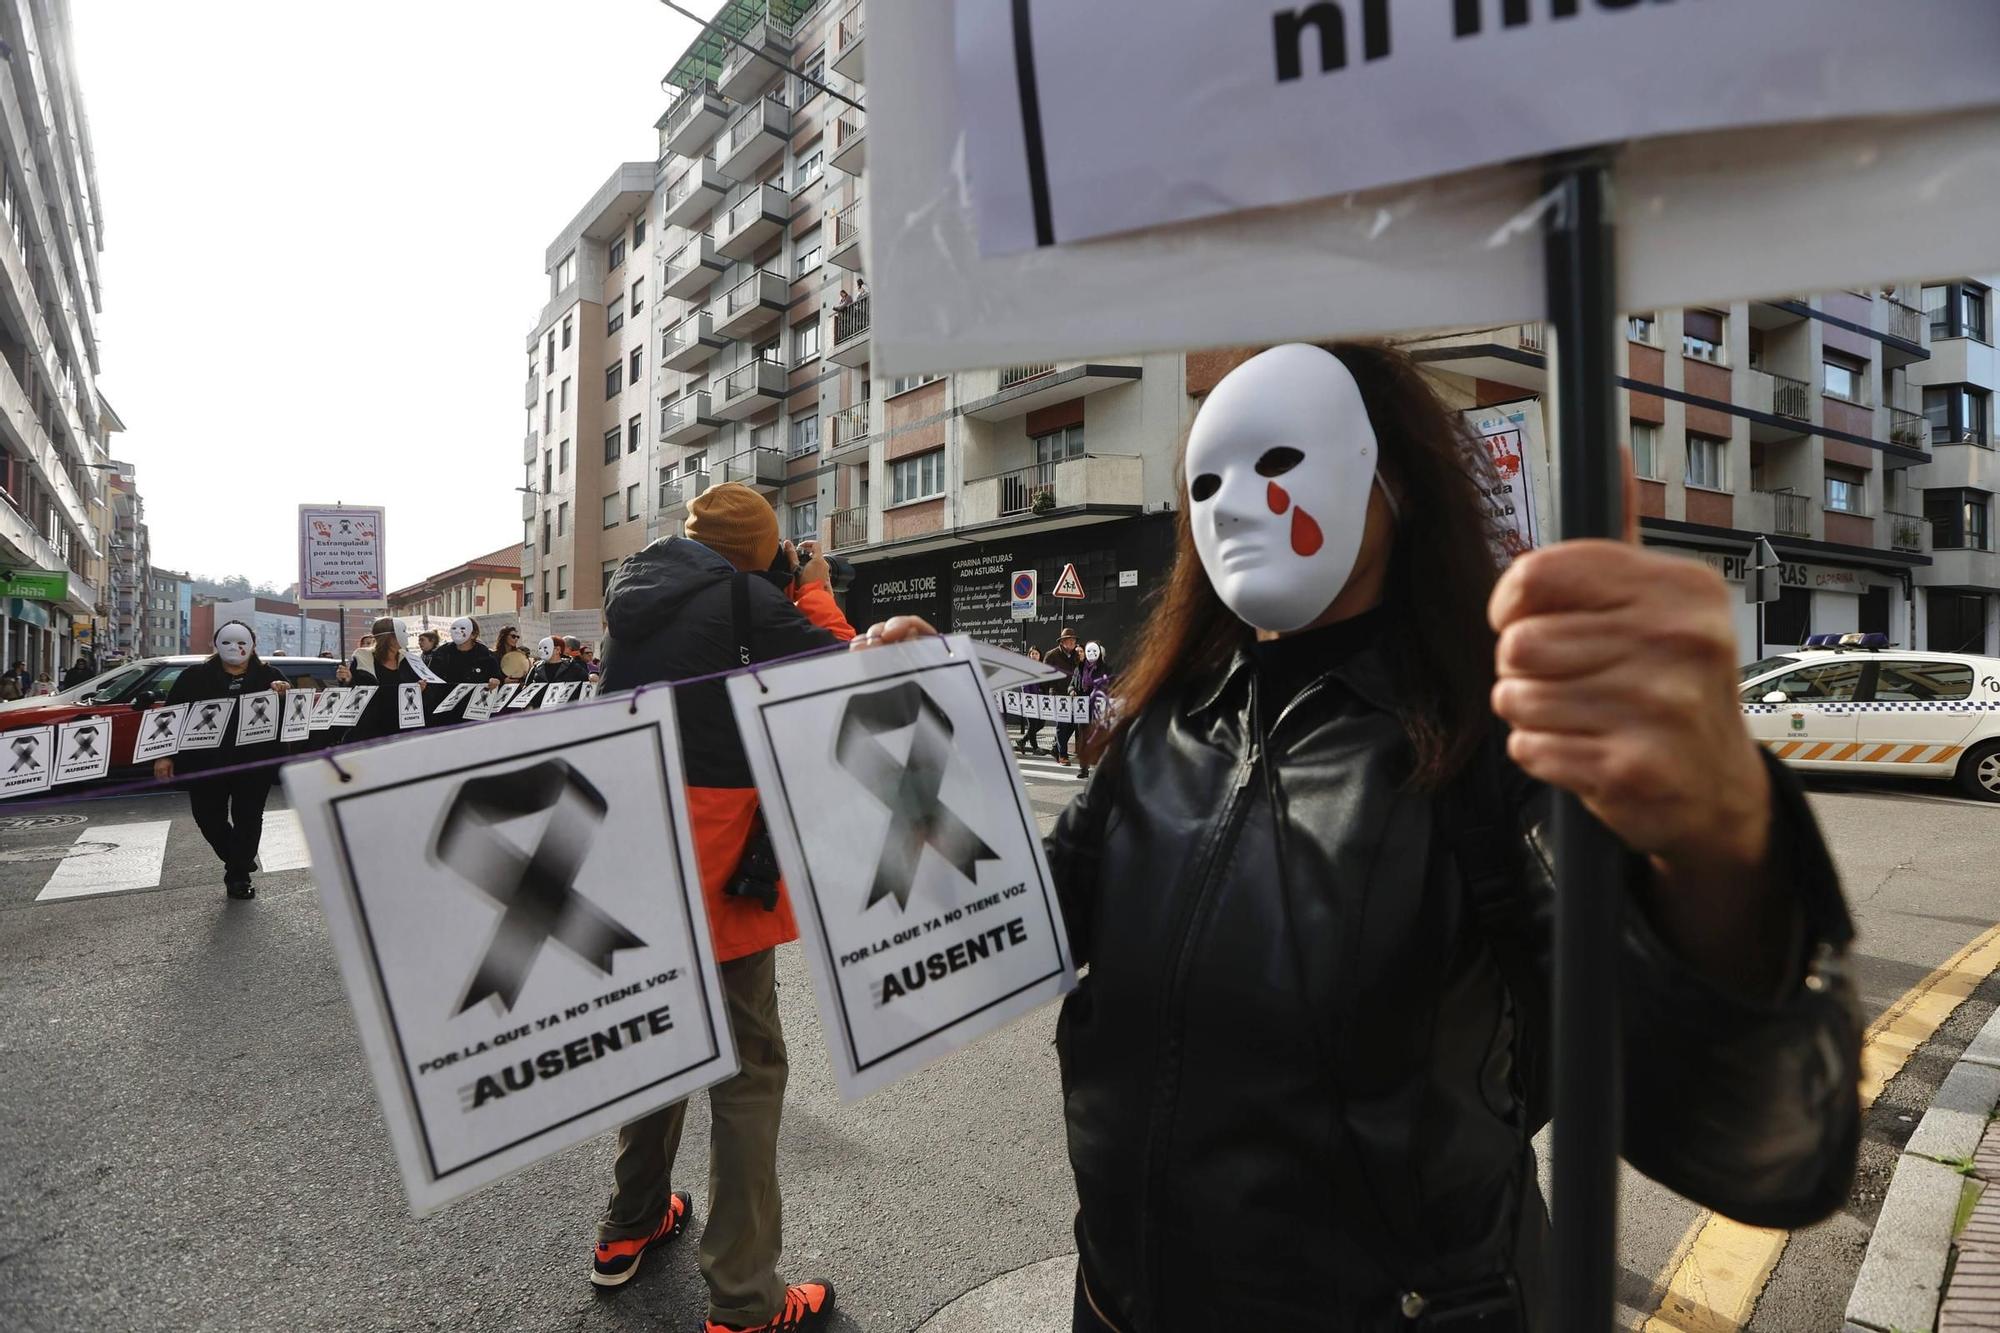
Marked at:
<point>332,754</point>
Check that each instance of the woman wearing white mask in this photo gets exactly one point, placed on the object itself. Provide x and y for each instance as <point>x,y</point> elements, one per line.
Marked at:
<point>388,669</point>
<point>1302,1074</point>
<point>229,810</point>
<point>465,660</point>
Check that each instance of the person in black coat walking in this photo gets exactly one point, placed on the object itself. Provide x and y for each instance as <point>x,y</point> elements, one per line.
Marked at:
<point>229,810</point>
<point>382,715</point>
<point>465,660</point>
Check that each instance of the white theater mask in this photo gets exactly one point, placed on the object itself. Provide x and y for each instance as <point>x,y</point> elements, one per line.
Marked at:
<point>1280,463</point>
<point>234,643</point>
<point>461,631</point>
<point>545,650</point>
<point>1091,652</point>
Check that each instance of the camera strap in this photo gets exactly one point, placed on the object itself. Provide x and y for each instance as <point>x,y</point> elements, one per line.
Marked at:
<point>739,614</point>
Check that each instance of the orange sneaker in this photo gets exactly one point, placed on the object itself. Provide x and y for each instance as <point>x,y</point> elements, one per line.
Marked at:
<point>808,1305</point>
<point>617,1260</point>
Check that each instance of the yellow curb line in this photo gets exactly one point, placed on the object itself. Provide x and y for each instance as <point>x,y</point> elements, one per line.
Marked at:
<point>1720,1267</point>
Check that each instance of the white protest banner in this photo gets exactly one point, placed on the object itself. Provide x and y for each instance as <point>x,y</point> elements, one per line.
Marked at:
<point>501,696</point>
<point>518,920</point>
<point>480,706</point>
<point>298,714</point>
<point>911,853</point>
<point>1010,700</point>
<point>159,733</point>
<point>353,705</point>
<point>409,705</point>
<point>207,723</point>
<point>1695,213</point>
<point>1045,707</point>
<point>1512,433</point>
<point>524,696</point>
<point>453,695</point>
<point>340,554</point>
<point>424,673</point>
<point>28,761</point>
<point>559,693</point>
<point>1005,669</point>
<point>83,749</point>
<point>588,690</point>
<point>326,708</point>
<point>260,719</point>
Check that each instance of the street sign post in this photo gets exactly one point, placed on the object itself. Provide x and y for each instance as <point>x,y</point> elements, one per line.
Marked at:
<point>1759,584</point>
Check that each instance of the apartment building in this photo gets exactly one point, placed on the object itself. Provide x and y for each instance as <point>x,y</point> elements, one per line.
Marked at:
<point>489,585</point>
<point>1961,587</point>
<point>129,565</point>
<point>169,607</point>
<point>51,426</point>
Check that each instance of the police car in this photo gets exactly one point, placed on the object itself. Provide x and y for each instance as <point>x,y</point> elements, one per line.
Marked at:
<point>1855,703</point>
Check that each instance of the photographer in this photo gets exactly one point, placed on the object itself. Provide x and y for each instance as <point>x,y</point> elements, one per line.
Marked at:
<point>728,594</point>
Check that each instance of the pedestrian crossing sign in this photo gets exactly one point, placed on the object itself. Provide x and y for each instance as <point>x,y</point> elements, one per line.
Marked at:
<point>1069,585</point>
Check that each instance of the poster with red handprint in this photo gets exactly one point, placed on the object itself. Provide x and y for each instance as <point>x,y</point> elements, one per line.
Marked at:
<point>1512,434</point>
<point>340,554</point>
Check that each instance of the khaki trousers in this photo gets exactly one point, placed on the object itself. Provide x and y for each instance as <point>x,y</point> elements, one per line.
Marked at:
<point>744,1234</point>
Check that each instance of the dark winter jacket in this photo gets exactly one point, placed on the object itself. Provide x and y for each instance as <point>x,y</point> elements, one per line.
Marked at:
<point>382,716</point>
<point>1090,678</point>
<point>1293,1075</point>
<point>476,664</point>
<point>207,680</point>
<point>669,612</point>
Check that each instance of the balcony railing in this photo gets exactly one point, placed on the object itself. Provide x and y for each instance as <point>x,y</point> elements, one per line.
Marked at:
<point>849,425</point>
<point>1905,321</point>
<point>1906,531</point>
<point>1791,398</point>
<point>691,102</point>
<point>851,322</point>
<point>853,27</point>
<point>1013,375</point>
<point>1908,429</point>
<point>850,527</point>
<point>755,467</point>
<point>1791,513</point>
<point>1530,338</point>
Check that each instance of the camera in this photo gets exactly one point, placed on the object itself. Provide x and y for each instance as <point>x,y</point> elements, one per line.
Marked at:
<point>756,876</point>
<point>839,571</point>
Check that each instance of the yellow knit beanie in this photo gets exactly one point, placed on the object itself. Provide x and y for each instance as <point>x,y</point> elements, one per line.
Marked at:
<point>736,523</point>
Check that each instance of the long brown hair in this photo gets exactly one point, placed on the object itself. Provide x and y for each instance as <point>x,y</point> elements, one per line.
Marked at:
<point>1441,572</point>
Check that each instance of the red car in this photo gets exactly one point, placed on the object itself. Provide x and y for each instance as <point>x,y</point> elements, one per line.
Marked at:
<point>124,692</point>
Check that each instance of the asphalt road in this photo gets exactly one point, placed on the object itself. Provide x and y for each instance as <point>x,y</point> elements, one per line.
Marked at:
<point>192,1140</point>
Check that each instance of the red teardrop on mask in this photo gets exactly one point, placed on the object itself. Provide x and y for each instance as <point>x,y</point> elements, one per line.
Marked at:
<point>1306,536</point>
<point>1276,498</point>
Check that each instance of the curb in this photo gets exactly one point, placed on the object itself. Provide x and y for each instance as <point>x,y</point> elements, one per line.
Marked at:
<point>1902,1278</point>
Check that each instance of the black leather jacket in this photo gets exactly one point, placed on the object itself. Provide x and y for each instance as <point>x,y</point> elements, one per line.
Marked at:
<point>1290,1077</point>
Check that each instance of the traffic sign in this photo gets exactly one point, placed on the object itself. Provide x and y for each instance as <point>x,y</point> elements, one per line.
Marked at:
<point>1760,582</point>
<point>1069,585</point>
<point>1024,587</point>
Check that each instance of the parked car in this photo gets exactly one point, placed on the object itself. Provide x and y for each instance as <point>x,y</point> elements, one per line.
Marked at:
<point>1855,703</point>
<point>125,691</point>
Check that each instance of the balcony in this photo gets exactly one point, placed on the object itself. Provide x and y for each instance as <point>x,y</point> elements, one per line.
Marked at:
<point>693,120</point>
<point>1023,389</point>
<point>846,251</point>
<point>751,222</point>
<point>693,269</point>
<point>1909,429</point>
<point>1056,490</point>
<point>848,430</point>
<point>763,469</point>
<point>755,60</point>
<point>849,47</point>
<point>1778,396</point>
<point>751,304</point>
<point>694,195</point>
<point>691,342</point>
<point>534,390</point>
<point>758,134</point>
<point>850,528</point>
<point>689,418</point>
<point>530,505</point>
<point>850,144</point>
<point>675,495</point>
<point>748,390</point>
<point>1906,326</point>
<point>1907,532</point>
<point>1791,512</point>
<point>531,444</point>
<point>1012,375</point>
<point>850,335</point>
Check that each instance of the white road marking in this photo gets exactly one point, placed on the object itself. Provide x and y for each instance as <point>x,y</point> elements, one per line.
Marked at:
<point>137,855</point>
<point>1034,770</point>
<point>283,846</point>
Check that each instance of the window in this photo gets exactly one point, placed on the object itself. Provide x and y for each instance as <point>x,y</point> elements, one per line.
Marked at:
<point>634,365</point>
<point>614,317</point>
<point>1846,491</point>
<point>617,253</point>
<point>763,437</point>
<point>551,366</point>
<point>1701,335</point>
<point>815,70</point>
<point>1957,310</point>
<point>1827,683</point>
<point>765,351</point>
<point>805,436</point>
<point>605,575</point>
<point>807,251</point>
<point>545,542</point>
<point>614,378</point>
<point>562,518</point>
<point>905,383</point>
<point>1957,621</point>
<point>1639,328</point>
<point>1922,682</point>
<point>1959,519</point>
<point>567,324</point>
<point>1958,414</point>
<point>805,521</point>
<point>611,439</point>
<point>632,506</point>
<point>545,591</point>
<point>1059,445</point>
<point>562,458</point>
<point>565,275</point>
<point>565,393</point>
<point>811,167</point>
<point>1646,451</point>
<point>805,341</point>
<point>638,230</point>
<point>632,434</point>
<point>562,580</point>
<point>916,478</point>
<point>1708,462</point>
<point>1843,377</point>
<point>638,295</point>
<point>611,510</point>
<point>667,477</point>
<point>548,411</point>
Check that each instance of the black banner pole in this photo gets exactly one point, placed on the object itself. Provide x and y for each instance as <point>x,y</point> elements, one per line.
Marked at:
<point>1586,1103</point>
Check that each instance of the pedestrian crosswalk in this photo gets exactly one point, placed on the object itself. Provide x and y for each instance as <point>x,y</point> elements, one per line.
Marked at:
<point>1039,769</point>
<point>110,858</point>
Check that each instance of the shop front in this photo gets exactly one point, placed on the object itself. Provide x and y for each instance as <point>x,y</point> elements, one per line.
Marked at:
<point>1817,594</point>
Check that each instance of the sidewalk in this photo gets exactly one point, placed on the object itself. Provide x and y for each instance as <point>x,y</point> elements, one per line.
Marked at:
<point>1934,1258</point>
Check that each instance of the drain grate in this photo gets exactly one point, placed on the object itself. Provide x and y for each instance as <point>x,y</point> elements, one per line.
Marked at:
<point>20,823</point>
<point>55,851</point>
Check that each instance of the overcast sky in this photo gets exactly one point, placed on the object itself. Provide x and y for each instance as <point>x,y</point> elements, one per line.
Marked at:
<point>323,242</point>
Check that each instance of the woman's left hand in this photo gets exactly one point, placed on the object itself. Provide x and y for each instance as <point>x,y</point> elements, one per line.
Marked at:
<point>896,629</point>
<point>280,686</point>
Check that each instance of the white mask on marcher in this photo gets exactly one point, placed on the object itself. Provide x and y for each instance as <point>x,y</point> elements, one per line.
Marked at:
<point>1280,463</point>
<point>1091,652</point>
<point>234,643</point>
<point>461,631</point>
<point>545,650</point>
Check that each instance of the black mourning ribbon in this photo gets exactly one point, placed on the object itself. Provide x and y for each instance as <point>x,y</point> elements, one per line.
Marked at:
<point>917,817</point>
<point>86,743</point>
<point>25,750</point>
<point>261,710</point>
<point>163,726</point>
<point>537,889</point>
<point>207,719</point>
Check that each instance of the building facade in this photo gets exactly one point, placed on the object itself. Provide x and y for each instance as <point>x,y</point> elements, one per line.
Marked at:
<point>52,427</point>
<point>1961,588</point>
<point>169,606</point>
<point>488,586</point>
<point>283,629</point>
<point>130,564</point>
